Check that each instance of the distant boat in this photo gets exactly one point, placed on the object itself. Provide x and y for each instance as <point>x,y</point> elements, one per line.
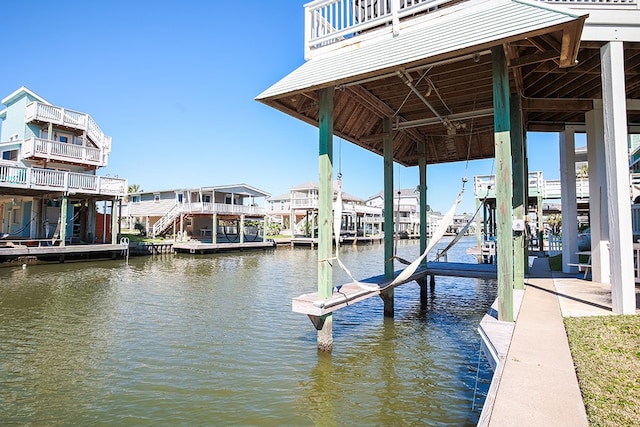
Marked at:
<point>584,240</point>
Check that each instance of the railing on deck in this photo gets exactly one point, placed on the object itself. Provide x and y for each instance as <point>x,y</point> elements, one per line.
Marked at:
<point>62,116</point>
<point>485,185</point>
<point>306,202</point>
<point>555,244</point>
<point>627,4</point>
<point>328,22</point>
<point>55,150</point>
<point>202,208</point>
<point>636,262</point>
<point>55,180</point>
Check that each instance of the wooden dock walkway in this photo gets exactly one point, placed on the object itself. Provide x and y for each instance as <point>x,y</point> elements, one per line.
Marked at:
<point>25,250</point>
<point>196,247</point>
<point>312,305</point>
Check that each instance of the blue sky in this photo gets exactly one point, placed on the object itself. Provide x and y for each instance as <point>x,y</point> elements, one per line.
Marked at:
<point>173,83</point>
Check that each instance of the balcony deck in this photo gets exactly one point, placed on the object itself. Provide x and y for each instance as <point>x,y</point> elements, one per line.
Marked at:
<point>16,179</point>
<point>39,148</point>
<point>40,112</point>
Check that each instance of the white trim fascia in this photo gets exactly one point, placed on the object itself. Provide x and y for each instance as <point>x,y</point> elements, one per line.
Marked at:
<point>27,91</point>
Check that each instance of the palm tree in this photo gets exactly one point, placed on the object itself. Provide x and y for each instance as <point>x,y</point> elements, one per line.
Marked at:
<point>133,188</point>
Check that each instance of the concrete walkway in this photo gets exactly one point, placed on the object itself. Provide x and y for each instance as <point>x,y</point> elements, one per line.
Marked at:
<point>536,384</point>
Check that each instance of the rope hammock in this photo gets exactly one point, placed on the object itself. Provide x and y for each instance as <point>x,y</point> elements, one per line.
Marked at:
<point>411,268</point>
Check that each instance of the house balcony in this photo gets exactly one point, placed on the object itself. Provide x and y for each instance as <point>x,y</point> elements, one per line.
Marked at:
<point>39,112</point>
<point>220,208</point>
<point>38,148</point>
<point>305,203</point>
<point>331,24</point>
<point>484,186</point>
<point>17,178</point>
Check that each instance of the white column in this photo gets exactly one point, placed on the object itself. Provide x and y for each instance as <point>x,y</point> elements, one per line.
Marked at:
<point>568,202</point>
<point>617,172</point>
<point>598,213</point>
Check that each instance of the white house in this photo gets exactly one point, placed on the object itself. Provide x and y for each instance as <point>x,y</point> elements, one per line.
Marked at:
<point>196,212</point>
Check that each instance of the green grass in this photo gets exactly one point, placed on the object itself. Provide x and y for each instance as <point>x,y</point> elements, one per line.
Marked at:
<point>136,238</point>
<point>606,354</point>
<point>555,263</point>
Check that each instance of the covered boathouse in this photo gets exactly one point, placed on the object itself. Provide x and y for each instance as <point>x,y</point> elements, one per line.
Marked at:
<point>423,82</point>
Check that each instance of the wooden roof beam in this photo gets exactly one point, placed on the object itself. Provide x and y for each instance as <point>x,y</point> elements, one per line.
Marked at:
<point>381,108</point>
<point>552,105</point>
<point>571,43</point>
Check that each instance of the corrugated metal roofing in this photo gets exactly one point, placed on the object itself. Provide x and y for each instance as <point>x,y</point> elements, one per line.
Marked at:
<point>481,23</point>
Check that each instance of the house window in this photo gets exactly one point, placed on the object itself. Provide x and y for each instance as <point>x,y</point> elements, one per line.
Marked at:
<point>281,205</point>
<point>227,200</point>
<point>135,199</point>
<point>10,155</point>
<point>180,197</point>
<point>156,197</point>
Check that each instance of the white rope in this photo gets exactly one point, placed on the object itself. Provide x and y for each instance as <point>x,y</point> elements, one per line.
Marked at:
<point>337,224</point>
<point>437,235</point>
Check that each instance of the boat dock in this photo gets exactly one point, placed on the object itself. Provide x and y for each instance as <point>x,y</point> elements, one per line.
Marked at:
<point>312,305</point>
<point>46,250</point>
<point>196,247</point>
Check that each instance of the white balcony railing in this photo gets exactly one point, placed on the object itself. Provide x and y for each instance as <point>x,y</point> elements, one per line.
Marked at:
<point>332,22</point>
<point>62,116</point>
<point>39,148</point>
<point>306,202</point>
<point>21,177</point>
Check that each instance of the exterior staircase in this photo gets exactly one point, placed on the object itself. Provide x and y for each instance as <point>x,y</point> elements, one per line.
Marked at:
<point>162,225</point>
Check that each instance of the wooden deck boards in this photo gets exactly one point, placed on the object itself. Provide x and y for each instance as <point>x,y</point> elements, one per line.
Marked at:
<point>202,248</point>
<point>311,304</point>
<point>24,250</point>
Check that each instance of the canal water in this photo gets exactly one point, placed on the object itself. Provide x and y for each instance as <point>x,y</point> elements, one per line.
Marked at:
<point>211,340</point>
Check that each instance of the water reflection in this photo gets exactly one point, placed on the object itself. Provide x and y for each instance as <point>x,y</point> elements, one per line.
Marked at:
<point>202,340</point>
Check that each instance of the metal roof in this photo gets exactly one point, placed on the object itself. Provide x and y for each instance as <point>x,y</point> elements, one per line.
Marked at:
<point>469,26</point>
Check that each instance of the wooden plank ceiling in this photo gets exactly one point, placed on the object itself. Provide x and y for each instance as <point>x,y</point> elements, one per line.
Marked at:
<point>447,105</point>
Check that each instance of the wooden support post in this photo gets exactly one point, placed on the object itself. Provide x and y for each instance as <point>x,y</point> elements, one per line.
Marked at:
<point>479,223</point>
<point>504,186</point>
<point>241,232</point>
<point>64,206</point>
<point>325,211</point>
<point>526,203</point>
<point>598,196</point>
<point>214,229</point>
<point>519,183</point>
<point>568,200</point>
<point>91,221</point>
<point>387,296</point>
<point>422,190</point>
<point>623,297</point>
<point>115,221</point>
<point>539,213</point>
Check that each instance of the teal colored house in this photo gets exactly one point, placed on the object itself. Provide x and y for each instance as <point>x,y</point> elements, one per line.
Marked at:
<point>49,182</point>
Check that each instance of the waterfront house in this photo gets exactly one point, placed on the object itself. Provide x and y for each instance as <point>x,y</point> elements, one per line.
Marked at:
<point>300,207</point>
<point>406,205</point>
<point>49,182</point>
<point>234,211</point>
